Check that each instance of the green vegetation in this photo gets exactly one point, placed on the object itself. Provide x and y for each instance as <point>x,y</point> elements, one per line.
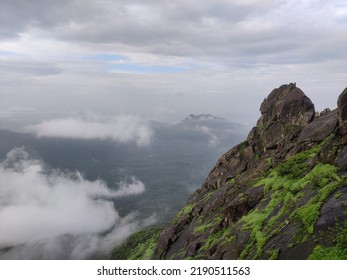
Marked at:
<point>183,212</point>
<point>298,165</point>
<point>231,181</point>
<point>337,252</point>
<point>274,254</point>
<point>222,236</point>
<point>202,228</point>
<point>285,185</point>
<point>139,246</point>
<point>208,195</point>
<point>338,195</point>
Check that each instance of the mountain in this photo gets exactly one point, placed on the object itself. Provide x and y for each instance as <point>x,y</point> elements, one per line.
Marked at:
<point>280,194</point>
<point>202,118</point>
<point>201,130</point>
<point>171,167</point>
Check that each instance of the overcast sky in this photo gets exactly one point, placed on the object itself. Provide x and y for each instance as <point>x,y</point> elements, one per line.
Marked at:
<point>165,59</point>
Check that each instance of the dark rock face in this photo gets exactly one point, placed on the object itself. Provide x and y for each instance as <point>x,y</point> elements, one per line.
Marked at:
<point>287,104</point>
<point>320,128</point>
<point>286,108</point>
<point>342,113</point>
<point>342,106</point>
<point>273,196</point>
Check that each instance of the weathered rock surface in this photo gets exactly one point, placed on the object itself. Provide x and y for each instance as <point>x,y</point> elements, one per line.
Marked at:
<point>342,113</point>
<point>280,194</point>
<point>320,128</point>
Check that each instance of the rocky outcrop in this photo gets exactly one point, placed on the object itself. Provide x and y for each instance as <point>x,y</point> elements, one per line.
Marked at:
<point>320,128</point>
<point>279,194</point>
<point>342,113</point>
<point>285,109</point>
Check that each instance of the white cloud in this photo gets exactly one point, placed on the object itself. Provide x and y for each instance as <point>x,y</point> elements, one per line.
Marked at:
<point>38,207</point>
<point>212,139</point>
<point>122,129</point>
<point>135,187</point>
<point>238,49</point>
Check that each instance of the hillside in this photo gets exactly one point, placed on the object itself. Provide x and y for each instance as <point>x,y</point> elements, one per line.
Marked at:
<point>280,194</point>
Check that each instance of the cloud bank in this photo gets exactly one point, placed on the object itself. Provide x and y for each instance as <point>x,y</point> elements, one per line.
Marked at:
<point>142,56</point>
<point>122,129</point>
<point>42,210</point>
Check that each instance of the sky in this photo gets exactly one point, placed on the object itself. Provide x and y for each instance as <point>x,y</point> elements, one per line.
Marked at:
<point>163,60</point>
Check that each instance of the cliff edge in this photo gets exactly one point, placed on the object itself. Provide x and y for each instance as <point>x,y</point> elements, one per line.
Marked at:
<point>280,194</point>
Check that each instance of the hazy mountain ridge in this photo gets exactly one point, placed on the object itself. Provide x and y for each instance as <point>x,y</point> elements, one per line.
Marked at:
<point>281,194</point>
<point>168,169</point>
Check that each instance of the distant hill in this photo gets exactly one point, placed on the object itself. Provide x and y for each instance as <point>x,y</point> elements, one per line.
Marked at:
<point>202,118</point>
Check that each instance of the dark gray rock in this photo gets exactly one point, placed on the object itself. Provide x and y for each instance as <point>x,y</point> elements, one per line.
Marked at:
<point>320,128</point>
<point>342,106</point>
<point>341,159</point>
<point>288,105</point>
<point>285,111</point>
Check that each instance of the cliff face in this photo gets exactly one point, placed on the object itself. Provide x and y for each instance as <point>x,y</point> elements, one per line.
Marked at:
<point>281,194</point>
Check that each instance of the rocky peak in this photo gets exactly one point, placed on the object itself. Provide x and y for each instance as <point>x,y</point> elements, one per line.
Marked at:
<point>287,104</point>
<point>285,112</point>
<point>280,194</point>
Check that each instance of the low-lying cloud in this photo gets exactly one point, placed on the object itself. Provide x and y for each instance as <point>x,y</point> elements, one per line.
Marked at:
<point>212,139</point>
<point>122,129</point>
<point>44,210</point>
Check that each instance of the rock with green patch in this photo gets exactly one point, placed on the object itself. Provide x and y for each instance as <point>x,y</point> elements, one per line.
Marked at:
<point>281,194</point>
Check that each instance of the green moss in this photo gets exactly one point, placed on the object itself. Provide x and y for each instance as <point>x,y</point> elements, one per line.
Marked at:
<point>231,181</point>
<point>139,246</point>
<point>330,253</point>
<point>287,183</point>
<point>338,195</point>
<point>183,212</point>
<point>254,222</point>
<point>203,228</point>
<point>222,236</point>
<point>270,162</point>
<point>296,166</point>
<point>308,214</point>
<point>322,174</point>
<point>208,196</point>
<point>274,254</point>
<point>337,252</point>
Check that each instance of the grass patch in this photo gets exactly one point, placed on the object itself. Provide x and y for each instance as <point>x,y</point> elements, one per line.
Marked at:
<point>183,212</point>
<point>203,228</point>
<point>208,196</point>
<point>286,183</point>
<point>337,252</point>
<point>274,254</point>
<point>138,246</point>
<point>222,236</point>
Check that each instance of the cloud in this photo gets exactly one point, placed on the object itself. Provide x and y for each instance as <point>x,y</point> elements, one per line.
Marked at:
<point>135,187</point>
<point>245,30</point>
<point>212,139</point>
<point>42,208</point>
<point>122,129</point>
<point>88,54</point>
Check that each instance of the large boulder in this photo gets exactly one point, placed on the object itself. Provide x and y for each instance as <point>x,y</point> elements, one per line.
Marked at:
<point>287,110</point>
<point>320,128</point>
